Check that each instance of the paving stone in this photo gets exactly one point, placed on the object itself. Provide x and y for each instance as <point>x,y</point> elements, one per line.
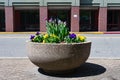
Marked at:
<point>93,69</point>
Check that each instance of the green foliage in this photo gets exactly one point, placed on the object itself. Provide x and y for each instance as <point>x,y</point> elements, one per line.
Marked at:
<point>57,32</point>
<point>59,29</point>
<point>67,39</point>
<point>50,38</point>
<point>38,38</point>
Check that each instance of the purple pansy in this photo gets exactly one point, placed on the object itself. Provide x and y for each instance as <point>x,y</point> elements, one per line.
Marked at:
<point>37,33</point>
<point>32,37</point>
<point>73,36</point>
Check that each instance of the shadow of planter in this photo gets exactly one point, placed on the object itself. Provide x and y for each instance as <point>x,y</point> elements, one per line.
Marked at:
<point>87,69</point>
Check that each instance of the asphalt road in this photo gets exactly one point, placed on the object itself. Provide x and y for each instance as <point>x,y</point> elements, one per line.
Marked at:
<point>103,45</point>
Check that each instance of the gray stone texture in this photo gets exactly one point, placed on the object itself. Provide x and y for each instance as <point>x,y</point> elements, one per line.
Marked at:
<point>94,69</point>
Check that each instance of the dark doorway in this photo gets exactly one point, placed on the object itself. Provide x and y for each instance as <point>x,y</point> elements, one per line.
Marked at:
<point>113,20</point>
<point>89,20</point>
<point>27,20</point>
<point>63,15</point>
<point>2,20</point>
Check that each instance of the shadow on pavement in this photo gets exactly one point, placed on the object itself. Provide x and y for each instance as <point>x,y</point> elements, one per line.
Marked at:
<point>88,69</point>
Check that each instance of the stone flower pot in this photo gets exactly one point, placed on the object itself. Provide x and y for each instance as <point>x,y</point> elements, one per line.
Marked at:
<point>58,57</point>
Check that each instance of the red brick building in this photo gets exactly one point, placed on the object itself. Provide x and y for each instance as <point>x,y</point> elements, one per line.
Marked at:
<point>80,15</point>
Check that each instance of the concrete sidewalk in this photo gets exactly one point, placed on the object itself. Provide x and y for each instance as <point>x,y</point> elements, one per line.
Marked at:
<point>94,69</point>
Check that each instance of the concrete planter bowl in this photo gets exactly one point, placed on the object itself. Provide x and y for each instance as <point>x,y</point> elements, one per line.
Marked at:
<point>58,57</point>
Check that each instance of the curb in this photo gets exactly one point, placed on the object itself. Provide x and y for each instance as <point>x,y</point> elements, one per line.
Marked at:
<point>105,58</point>
<point>13,58</point>
<point>88,32</point>
<point>111,58</point>
<point>45,32</point>
<point>17,32</point>
<point>110,32</point>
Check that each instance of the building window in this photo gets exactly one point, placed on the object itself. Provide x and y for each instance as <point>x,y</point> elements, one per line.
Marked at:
<point>88,20</point>
<point>2,20</point>
<point>113,20</point>
<point>63,15</point>
<point>27,20</point>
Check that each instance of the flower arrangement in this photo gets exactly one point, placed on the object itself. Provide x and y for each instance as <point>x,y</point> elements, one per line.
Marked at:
<point>57,32</point>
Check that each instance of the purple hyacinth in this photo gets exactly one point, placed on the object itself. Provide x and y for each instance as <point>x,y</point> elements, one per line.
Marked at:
<point>64,23</point>
<point>46,19</point>
<point>73,36</point>
<point>37,33</point>
<point>32,37</point>
<point>50,20</point>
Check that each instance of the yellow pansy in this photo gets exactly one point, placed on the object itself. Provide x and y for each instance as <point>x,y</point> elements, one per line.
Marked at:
<point>53,35</point>
<point>45,36</point>
<point>43,41</point>
<point>82,38</point>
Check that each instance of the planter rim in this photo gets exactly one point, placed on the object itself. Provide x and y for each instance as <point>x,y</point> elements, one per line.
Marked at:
<point>58,43</point>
